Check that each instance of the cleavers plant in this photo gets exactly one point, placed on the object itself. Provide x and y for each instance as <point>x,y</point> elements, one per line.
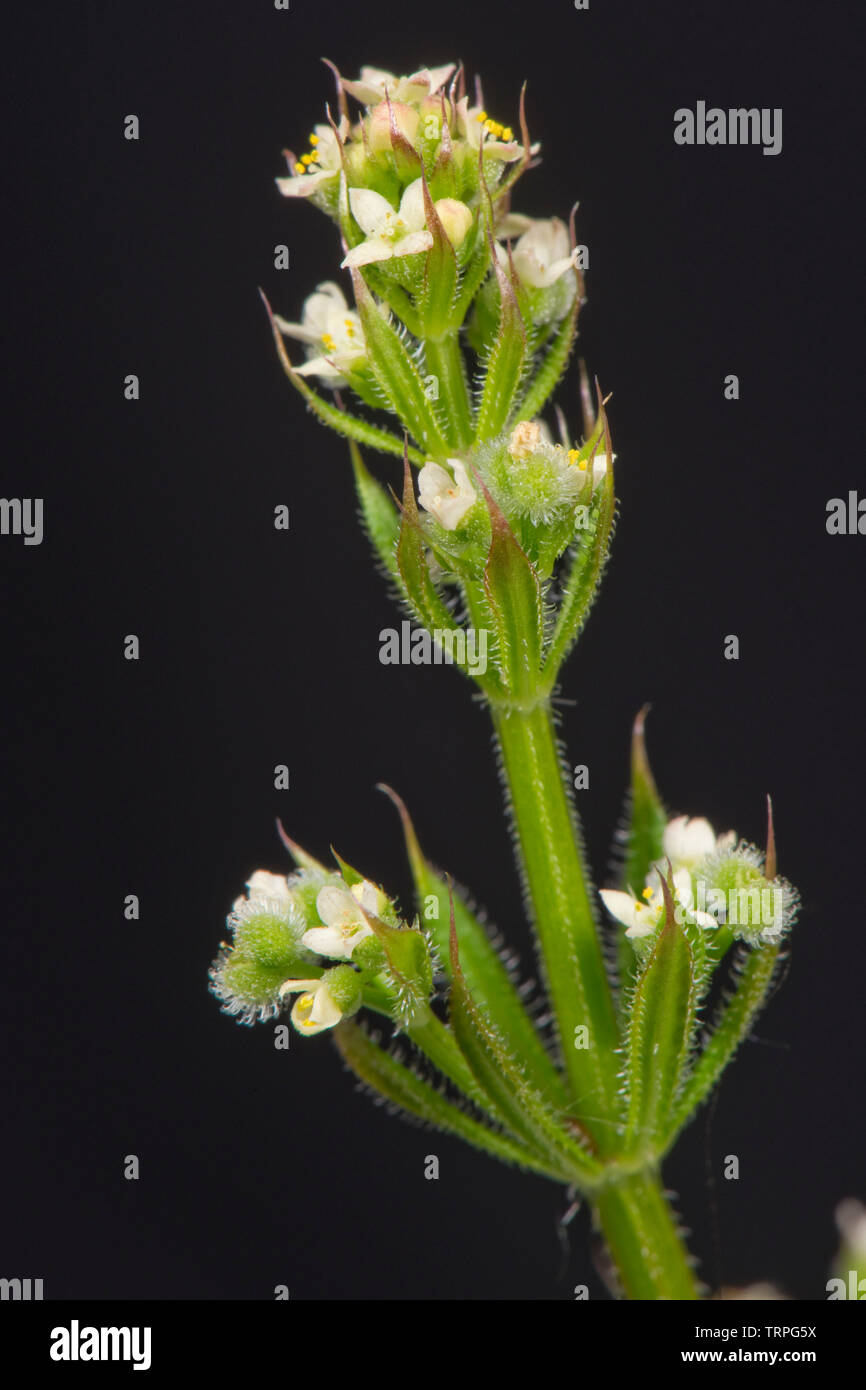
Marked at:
<point>463,319</point>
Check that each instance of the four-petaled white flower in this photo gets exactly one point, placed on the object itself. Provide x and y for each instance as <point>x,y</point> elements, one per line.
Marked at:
<point>446,498</point>
<point>404,232</point>
<point>345,925</point>
<point>642,917</point>
<point>316,1008</point>
<point>319,167</point>
<point>332,329</point>
<point>687,841</point>
<point>542,253</point>
<point>375,84</point>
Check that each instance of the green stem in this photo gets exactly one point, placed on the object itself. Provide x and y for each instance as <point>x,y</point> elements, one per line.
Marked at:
<point>445,362</point>
<point>548,841</point>
<point>641,1234</point>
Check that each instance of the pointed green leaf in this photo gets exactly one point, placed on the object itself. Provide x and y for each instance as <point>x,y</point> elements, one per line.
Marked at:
<point>380,516</point>
<point>660,1034</point>
<point>487,977</point>
<point>644,835</point>
<point>397,374</point>
<point>755,972</point>
<point>526,1113</point>
<point>587,566</point>
<point>399,1085</point>
<point>505,363</point>
<point>440,274</point>
<point>513,594</point>
<point>552,366</point>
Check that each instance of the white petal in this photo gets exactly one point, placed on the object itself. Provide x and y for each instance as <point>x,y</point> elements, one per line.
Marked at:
<point>302,185</point>
<point>368,251</point>
<point>326,941</point>
<point>413,244</point>
<point>321,367</point>
<point>369,209</point>
<point>622,906</point>
<point>412,206</point>
<point>325,1012</point>
<point>300,331</point>
<point>336,907</point>
<point>685,841</point>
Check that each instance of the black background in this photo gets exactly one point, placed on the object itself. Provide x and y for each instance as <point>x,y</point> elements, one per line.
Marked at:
<point>259,647</point>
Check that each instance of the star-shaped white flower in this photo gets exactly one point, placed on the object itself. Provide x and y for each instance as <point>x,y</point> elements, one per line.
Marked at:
<point>642,917</point>
<point>403,232</point>
<point>375,84</point>
<point>316,1008</point>
<point>329,325</point>
<point>345,925</point>
<point>317,169</point>
<point>446,498</point>
<point>542,253</point>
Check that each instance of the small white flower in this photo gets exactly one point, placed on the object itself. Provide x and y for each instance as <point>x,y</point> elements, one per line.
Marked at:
<point>542,253</point>
<point>403,232</point>
<point>687,841</point>
<point>447,499</point>
<point>316,1008</point>
<point>319,167</point>
<point>375,84</point>
<point>345,925</point>
<point>642,917</point>
<point>332,330</point>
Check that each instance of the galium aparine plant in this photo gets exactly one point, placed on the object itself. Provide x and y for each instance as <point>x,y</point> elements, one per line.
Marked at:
<point>442,344</point>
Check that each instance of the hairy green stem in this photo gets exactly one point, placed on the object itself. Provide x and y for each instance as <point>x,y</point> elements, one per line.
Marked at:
<point>548,842</point>
<point>640,1231</point>
<point>445,362</point>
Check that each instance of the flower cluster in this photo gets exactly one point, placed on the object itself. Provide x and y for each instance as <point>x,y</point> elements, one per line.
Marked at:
<point>715,881</point>
<point>283,931</point>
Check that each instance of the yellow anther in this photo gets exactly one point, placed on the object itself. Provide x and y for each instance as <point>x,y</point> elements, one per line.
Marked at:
<point>314,139</point>
<point>508,133</point>
<point>647,893</point>
<point>482,116</point>
<point>306,158</point>
<point>328,342</point>
<point>300,168</point>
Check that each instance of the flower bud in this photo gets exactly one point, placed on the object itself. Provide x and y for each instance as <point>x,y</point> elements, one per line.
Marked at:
<point>456,218</point>
<point>379,124</point>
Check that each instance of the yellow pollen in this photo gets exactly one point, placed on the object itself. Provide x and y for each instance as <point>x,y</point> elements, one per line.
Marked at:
<point>306,158</point>
<point>482,116</point>
<point>508,133</point>
<point>314,139</point>
<point>647,893</point>
<point>299,168</point>
<point>328,342</point>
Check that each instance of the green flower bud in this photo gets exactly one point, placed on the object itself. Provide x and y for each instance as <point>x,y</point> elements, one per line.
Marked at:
<point>756,909</point>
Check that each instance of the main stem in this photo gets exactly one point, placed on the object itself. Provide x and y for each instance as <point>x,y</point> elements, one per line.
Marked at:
<point>640,1231</point>
<point>632,1211</point>
<point>548,842</point>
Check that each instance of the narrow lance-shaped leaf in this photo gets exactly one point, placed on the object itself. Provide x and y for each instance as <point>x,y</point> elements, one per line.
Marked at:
<point>513,594</point>
<point>661,1029</point>
<point>440,273</point>
<point>380,516</point>
<point>396,1083</point>
<point>755,971</point>
<point>645,827</point>
<point>526,1113</point>
<point>587,562</point>
<point>505,363</point>
<point>486,976</point>
<point>397,373</point>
